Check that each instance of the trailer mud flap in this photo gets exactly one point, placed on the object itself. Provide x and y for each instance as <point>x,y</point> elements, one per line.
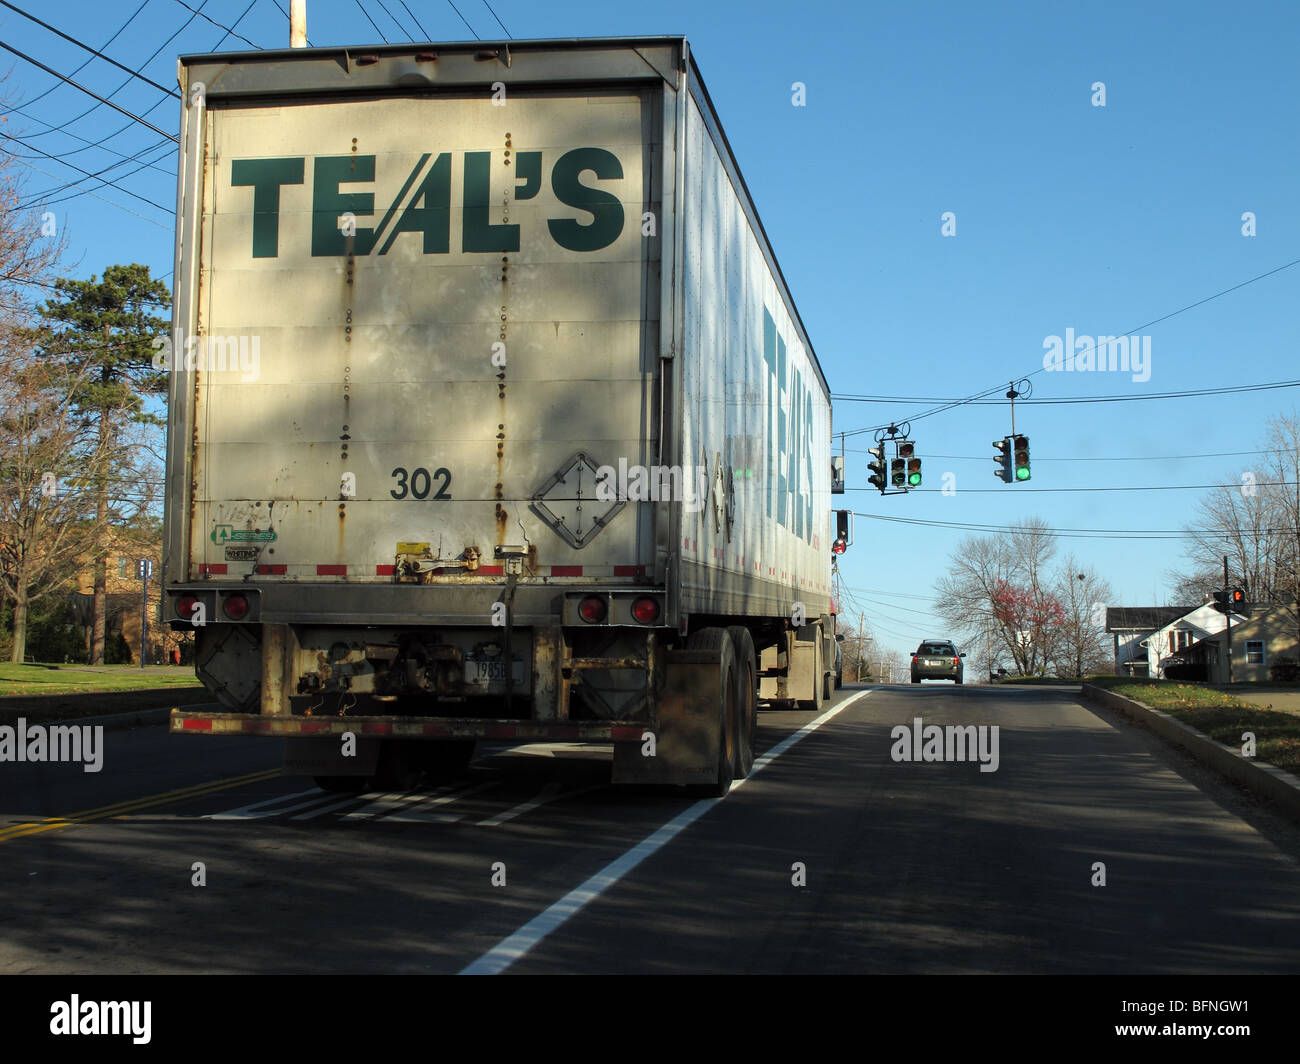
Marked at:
<point>323,756</point>
<point>686,726</point>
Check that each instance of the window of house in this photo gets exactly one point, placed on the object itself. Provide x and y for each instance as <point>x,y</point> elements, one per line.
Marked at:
<point>122,563</point>
<point>1184,639</point>
<point>1254,652</point>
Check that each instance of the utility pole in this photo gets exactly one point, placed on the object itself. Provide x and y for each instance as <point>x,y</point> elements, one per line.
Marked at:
<point>145,571</point>
<point>1228,613</point>
<point>297,23</point>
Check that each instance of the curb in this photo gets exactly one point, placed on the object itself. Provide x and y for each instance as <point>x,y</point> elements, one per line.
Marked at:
<point>1262,779</point>
<point>31,708</point>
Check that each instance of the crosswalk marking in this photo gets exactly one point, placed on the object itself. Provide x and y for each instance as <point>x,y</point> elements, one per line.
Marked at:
<point>425,814</point>
<point>251,812</point>
<point>409,807</point>
<point>550,792</point>
<point>312,814</point>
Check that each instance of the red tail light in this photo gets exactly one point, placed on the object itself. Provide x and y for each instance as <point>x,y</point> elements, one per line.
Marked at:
<point>956,661</point>
<point>592,609</point>
<point>235,607</point>
<point>185,607</point>
<point>646,610</point>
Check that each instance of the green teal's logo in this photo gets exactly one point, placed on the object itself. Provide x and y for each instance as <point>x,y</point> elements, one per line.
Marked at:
<point>789,412</point>
<point>423,204</point>
<point>230,534</point>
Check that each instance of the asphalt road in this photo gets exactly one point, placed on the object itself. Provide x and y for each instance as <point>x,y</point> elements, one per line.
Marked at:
<point>906,866</point>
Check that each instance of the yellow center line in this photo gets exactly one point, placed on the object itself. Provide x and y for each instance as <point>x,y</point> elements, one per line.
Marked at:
<point>51,823</point>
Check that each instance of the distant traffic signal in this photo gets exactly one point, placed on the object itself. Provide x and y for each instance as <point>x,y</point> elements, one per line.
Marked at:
<point>1021,458</point>
<point>877,468</point>
<point>1003,459</point>
<point>907,452</point>
<point>1221,601</point>
<point>898,472</point>
<point>843,532</point>
<point>1237,600</point>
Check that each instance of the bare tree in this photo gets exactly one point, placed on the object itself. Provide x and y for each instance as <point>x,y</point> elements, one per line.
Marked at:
<point>998,588</point>
<point>1256,524</point>
<point>45,523</point>
<point>1083,646</point>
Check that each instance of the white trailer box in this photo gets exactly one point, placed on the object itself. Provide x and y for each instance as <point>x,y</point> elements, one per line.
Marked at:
<point>490,411</point>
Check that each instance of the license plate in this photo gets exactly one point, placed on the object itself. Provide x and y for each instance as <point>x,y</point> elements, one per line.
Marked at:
<point>492,672</point>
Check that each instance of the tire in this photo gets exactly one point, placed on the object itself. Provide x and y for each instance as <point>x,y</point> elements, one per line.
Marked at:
<point>342,784</point>
<point>828,687</point>
<point>815,703</point>
<point>746,700</point>
<point>399,767</point>
<point>916,679</point>
<point>446,759</point>
<point>957,681</point>
<point>717,639</point>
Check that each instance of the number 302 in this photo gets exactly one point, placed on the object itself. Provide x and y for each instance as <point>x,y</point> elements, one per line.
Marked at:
<point>418,483</point>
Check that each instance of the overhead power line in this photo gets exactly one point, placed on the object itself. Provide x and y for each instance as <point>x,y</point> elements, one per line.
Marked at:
<point>494,15</point>
<point>88,92</point>
<point>950,404</point>
<point>229,30</point>
<point>1076,533</point>
<point>1156,487</point>
<point>1069,400</point>
<point>62,162</point>
<point>463,19</point>
<point>92,51</point>
<point>372,22</point>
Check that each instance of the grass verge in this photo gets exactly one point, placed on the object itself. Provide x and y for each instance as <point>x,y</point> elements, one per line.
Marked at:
<point>1219,715</point>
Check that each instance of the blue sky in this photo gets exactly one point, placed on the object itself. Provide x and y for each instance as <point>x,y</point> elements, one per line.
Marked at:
<point>1068,216</point>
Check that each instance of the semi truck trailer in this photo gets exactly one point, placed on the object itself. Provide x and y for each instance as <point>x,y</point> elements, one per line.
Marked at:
<point>491,416</point>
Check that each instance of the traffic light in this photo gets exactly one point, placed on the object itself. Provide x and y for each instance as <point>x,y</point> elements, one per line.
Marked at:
<point>907,452</point>
<point>898,472</point>
<point>1237,600</point>
<point>1022,458</point>
<point>877,468</point>
<point>1003,459</point>
<point>843,532</point>
<point>1221,601</point>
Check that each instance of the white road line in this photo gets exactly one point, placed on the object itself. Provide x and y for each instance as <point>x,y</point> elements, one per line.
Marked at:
<point>510,949</point>
<point>250,812</point>
<point>380,803</point>
<point>425,815</point>
<point>548,794</point>
<point>314,813</point>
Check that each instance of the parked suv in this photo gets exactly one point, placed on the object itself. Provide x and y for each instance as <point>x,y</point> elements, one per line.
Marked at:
<point>937,659</point>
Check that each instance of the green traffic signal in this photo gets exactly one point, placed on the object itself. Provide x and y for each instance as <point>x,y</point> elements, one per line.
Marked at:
<point>1022,457</point>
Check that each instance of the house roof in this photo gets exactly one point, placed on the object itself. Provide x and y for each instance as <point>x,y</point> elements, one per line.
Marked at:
<point>1143,618</point>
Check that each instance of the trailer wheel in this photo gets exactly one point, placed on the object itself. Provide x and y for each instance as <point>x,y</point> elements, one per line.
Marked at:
<point>828,687</point>
<point>746,699</point>
<point>446,759</point>
<point>718,640</point>
<point>815,703</point>
<point>399,767</point>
